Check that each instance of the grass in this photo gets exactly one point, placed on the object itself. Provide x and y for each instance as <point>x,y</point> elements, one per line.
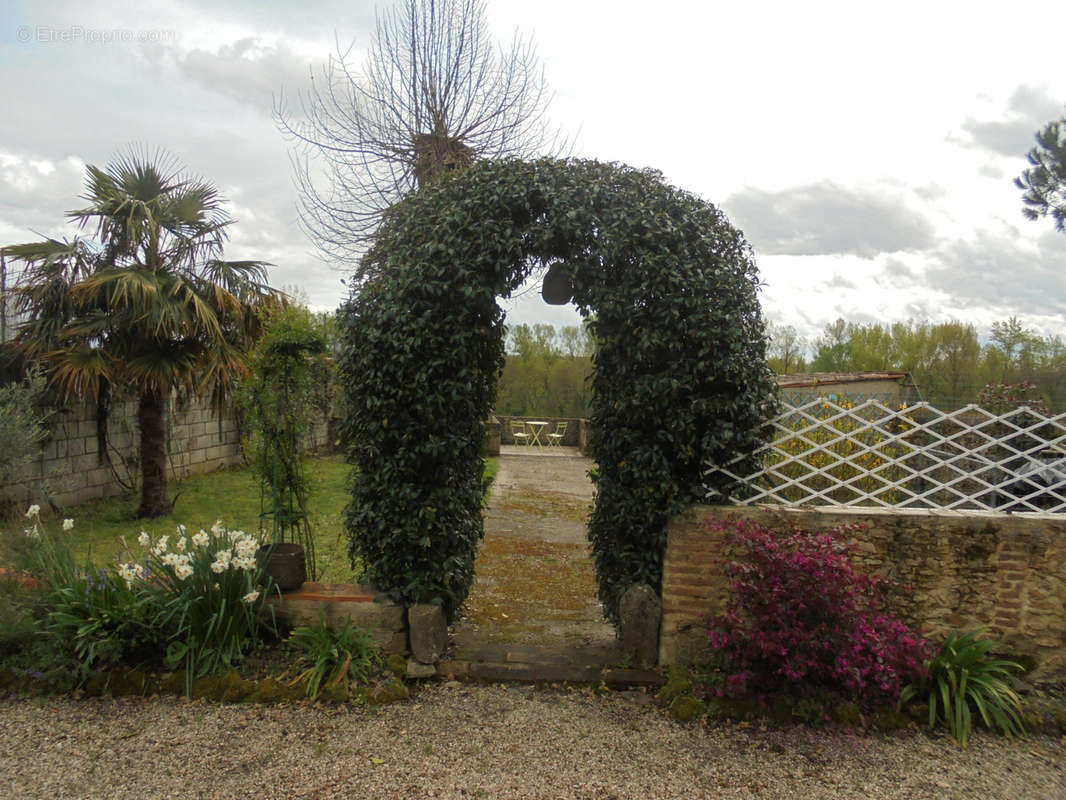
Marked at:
<point>231,495</point>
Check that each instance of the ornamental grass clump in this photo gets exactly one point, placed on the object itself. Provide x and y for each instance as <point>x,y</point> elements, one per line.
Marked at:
<point>334,656</point>
<point>801,619</point>
<point>963,676</point>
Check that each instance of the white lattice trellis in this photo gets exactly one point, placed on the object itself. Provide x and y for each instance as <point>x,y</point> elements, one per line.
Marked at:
<point>825,453</point>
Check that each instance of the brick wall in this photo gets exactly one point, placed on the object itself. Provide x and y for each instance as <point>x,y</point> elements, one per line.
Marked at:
<point>71,468</point>
<point>964,570</point>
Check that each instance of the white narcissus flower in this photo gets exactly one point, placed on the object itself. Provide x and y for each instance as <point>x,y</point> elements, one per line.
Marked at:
<point>218,527</point>
<point>68,524</point>
<point>224,556</point>
<point>128,573</point>
<point>33,533</point>
<point>219,566</point>
<point>201,539</point>
<point>183,571</point>
<point>247,564</point>
<point>160,546</point>
<point>169,559</point>
<point>180,545</point>
<point>246,547</point>
<point>235,535</point>
<point>144,539</point>
<point>251,597</point>
<point>180,530</point>
<point>33,510</point>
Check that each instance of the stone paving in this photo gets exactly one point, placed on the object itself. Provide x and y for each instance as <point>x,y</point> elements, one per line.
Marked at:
<point>533,612</point>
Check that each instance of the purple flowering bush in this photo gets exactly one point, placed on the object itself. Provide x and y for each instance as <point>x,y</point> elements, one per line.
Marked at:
<point>802,617</point>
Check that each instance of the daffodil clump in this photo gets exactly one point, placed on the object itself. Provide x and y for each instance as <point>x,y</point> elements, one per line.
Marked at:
<point>211,591</point>
<point>224,551</point>
<point>199,600</point>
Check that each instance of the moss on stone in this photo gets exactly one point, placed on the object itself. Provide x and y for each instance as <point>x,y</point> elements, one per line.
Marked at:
<point>269,691</point>
<point>128,683</point>
<point>334,692</point>
<point>390,691</point>
<point>96,684</point>
<point>172,683</point>
<point>678,683</point>
<point>888,719</point>
<point>232,688</point>
<point>397,665</point>
<point>847,714</point>
<point>781,710</point>
<point>686,707</point>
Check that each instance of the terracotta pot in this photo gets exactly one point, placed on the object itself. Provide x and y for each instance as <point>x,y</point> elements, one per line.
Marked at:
<point>284,563</point>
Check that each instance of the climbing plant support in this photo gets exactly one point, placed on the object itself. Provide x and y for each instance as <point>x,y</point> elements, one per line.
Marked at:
<point>680,381</point>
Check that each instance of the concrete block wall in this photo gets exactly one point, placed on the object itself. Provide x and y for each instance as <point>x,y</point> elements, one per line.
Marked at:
<point>71,469</point>
<point>963,570</point>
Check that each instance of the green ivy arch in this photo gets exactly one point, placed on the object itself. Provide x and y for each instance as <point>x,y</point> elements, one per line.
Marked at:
<point>680,372</point>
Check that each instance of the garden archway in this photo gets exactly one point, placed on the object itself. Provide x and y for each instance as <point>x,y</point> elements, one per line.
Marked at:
<point>680,377</point>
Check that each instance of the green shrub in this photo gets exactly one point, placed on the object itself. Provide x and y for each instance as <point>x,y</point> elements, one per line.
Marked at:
<point>962,677</point>
<point>277,401</point>
<point>680,375</point>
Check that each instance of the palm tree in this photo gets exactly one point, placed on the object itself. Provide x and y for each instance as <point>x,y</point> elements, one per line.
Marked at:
<point>146,305</point>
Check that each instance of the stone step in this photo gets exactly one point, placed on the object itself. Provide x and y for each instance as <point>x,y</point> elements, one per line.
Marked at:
<point>338,603</point>
<point>540,672</point>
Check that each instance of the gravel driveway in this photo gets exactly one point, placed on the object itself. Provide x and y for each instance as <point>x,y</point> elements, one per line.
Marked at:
<point>461,741</point>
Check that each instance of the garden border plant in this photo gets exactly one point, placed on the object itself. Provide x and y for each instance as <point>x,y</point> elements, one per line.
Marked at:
<point>680,381</point>
<point>277,401</point>
<point>801,618</point>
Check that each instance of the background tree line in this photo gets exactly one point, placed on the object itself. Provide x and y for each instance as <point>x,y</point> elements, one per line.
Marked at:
<point>949,361</point>
<point>546,372</point>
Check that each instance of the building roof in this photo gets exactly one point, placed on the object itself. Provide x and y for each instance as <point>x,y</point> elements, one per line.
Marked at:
<point>835,378</point>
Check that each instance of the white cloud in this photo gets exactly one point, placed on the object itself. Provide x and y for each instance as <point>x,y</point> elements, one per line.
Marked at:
<point>828,219</point>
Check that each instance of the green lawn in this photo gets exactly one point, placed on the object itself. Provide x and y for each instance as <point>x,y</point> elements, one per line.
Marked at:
<point>231,495</point>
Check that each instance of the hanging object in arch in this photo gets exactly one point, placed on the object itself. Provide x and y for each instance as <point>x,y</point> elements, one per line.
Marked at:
<point>556,288</point>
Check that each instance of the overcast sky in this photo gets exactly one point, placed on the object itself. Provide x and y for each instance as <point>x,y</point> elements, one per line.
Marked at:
<point>866,150</point>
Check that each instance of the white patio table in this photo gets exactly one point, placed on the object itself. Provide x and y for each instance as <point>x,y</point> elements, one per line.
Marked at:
<point>535,427</point>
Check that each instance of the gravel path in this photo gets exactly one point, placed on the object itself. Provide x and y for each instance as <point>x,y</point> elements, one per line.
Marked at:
<point>536,582</point>
<point>461,741</point>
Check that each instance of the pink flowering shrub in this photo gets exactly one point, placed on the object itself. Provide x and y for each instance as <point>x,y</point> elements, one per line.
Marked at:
<point>801,616</point>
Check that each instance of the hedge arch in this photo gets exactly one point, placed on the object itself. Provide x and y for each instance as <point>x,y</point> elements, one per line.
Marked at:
<point>680,373</point>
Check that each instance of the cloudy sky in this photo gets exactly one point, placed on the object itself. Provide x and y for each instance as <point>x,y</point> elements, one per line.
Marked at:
<point>866,150</point>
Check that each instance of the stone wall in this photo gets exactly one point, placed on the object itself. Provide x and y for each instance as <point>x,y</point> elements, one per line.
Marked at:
<point>964,570</point>
<point>72,468</point>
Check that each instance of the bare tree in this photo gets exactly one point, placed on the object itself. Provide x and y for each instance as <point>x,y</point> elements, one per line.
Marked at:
<point>434,94</point>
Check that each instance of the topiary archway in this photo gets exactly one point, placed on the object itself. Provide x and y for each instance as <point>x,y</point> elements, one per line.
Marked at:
<point>680,373</point>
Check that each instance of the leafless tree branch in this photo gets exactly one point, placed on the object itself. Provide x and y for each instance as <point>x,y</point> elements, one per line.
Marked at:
<point>433,95</point>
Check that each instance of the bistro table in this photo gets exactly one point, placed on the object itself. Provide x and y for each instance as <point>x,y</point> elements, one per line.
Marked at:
<point>535,427</point>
